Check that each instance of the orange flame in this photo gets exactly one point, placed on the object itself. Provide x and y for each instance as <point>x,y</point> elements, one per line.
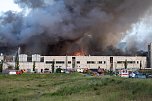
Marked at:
<point>79,53</point>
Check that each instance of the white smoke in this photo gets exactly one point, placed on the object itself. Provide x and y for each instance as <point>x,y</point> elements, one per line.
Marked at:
<point>141,33</point>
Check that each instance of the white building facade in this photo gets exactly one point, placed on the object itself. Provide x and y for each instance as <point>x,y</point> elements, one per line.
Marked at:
<point>43,63</point>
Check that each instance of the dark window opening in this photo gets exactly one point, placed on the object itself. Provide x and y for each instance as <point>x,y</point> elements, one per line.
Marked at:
<point>90,62</point>
<point>42,59</point>
<point>78,62</point>
<point>59,62</point>
<point>131,62</point>
<point>49,62</point>
<point>29,59</point>
<point>100,62</point>
<point>69,62</point>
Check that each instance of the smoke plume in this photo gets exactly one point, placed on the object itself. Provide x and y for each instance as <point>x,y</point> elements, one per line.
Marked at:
<point>59,27</point>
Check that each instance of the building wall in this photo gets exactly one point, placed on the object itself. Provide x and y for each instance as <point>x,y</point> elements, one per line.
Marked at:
<point>132,62</point>
<point>93,62</point>
<point>76,62</point>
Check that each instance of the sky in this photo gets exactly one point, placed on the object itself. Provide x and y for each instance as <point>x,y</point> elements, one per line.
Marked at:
<point>6,5</point>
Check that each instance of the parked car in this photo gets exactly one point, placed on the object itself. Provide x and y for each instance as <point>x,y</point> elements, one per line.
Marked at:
<point>132,75</point>
<point>148,75</point>
<point>140,75</point>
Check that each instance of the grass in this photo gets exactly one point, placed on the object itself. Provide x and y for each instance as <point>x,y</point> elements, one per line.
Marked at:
<point>73,87</point>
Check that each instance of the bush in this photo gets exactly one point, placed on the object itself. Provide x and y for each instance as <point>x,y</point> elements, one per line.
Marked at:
<point>58,70</point>
<point>145,71</point>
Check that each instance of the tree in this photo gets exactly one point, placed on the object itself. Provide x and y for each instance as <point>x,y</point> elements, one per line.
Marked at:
<point>1,66</point>
<point>17,61</point>
<point>53,66</point>
<point>140,65</point>
<point>125,63</point>
<point>58,70</point>
<point>17,64</point>
<point>34,66</point>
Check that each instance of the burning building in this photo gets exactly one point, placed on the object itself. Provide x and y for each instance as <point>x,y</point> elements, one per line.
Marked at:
<point>73,34</point>
<point>75,61</point>
<point>43,63</point>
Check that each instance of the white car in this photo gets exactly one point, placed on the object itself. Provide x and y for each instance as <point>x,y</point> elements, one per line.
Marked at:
<point>80,70</point>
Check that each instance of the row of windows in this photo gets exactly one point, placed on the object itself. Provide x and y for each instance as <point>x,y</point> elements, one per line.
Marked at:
<point>57,62</point>
<point>91,62</point>
<point>130,62</point>
<point>49,62</point>
<point>101,62</point>
<point>78,62</point>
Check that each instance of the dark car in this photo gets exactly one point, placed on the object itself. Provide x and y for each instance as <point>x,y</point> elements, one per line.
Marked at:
<point>148,75</point>
<point>140,75</point>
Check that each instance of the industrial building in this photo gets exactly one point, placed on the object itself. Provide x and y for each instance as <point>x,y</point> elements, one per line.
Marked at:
<point>43,63</point>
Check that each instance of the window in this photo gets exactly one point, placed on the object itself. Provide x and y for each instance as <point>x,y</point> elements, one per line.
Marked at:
<point>119,62</point>
<point>49,62</point>
<point>90,62</point>
<point>131,62</point>
<point>69,62</point>
<point>104,62</point>
<point>59,62</point>
<point>46,69</point>
<point>29,59</point>
<point>111,60</point>
<point>42,59</point>
<point>137,62</point>
<point>78,62</point>
<point>99,62</point>
<point>73,57</point>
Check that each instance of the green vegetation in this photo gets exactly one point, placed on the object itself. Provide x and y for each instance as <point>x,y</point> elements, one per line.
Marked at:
<point>17,61</point>
<point>34,66</point>
<point>145,71</point>
<point>1,66</point>
<point>73,87</point>
<point>53,66</point>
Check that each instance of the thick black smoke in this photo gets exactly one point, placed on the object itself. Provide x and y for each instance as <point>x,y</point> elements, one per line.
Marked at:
<point>59,27</point>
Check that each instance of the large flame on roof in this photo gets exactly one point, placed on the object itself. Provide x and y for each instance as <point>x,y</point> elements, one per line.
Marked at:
<point>79,53</point>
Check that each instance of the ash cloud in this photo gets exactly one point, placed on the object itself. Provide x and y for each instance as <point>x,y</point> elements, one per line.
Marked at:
<point>58,27</point>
